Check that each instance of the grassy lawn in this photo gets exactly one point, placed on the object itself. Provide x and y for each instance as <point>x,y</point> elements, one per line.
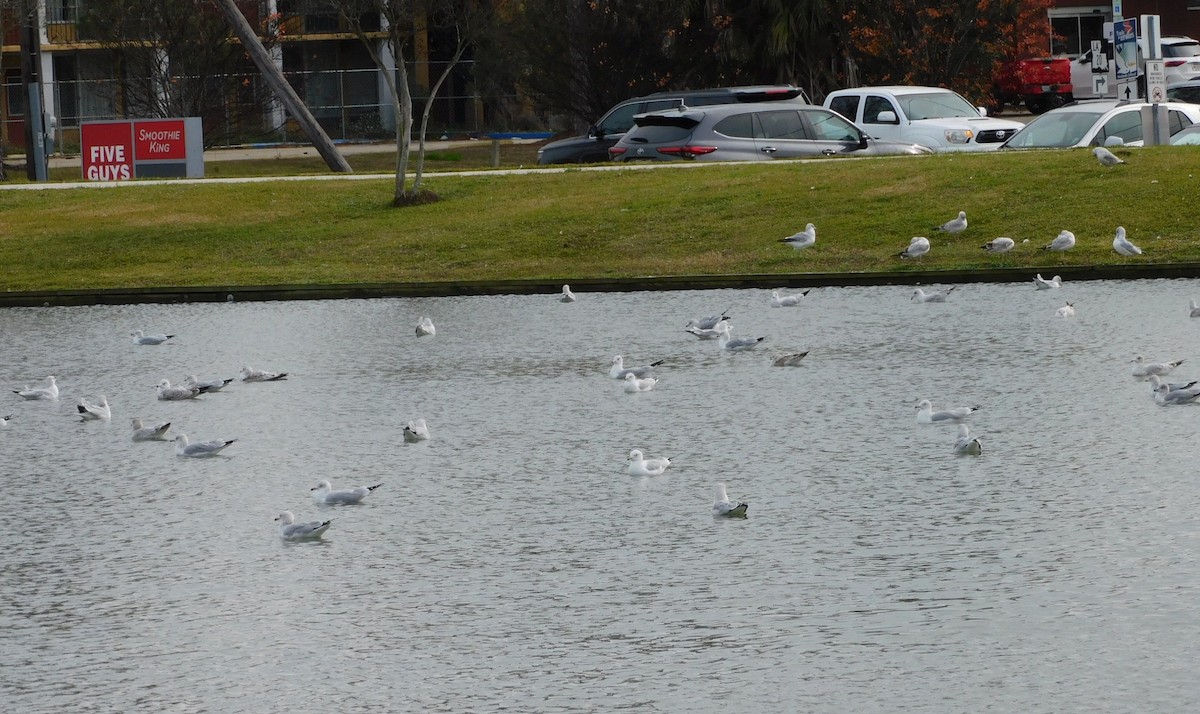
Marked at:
<point>705,220</point>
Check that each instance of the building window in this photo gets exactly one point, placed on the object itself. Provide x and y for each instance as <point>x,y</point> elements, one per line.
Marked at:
<point>62,11</point>
<point>1075,28</point>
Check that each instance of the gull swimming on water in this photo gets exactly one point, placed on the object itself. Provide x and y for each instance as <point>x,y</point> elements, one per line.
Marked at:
<point>722,506</point>
<point>954,225</point>
<point>634,384</point>
<point>141,432</point>
<point>999,245</point>
<point>199,449</point>
<point>49,392</point>
<point>917,247</point>
<point>1106,157</point>
<point>1165,396</point>
<point>1195,309</point>
<point>927,415</point>
<point>1142,368</point>
<point>250,374</point>
<point>1042,284</point>
<point>1067,310</point>
<point>1157,381</point>
<point>641,466</point>
<point>415,431</point>
<point>207,385</point>
<point>707,323</point>
<point>169,393</point>
<point>921,296</point>
<point>425,327</point>
<point>323,493</point>
<point>140,338</point>
<point>778,300</point>
<point>967,444</point>
<point>1065,240</point>
<point>89,411</point>
<point>4,420</point>
<point>803,239</point>
<point>619,370</point>
<point>789,360</point>
<point>739,344</point>
<point>289,529</point>
<point>704,334</point>
<point>1122,245</point>
<point>567,295</point>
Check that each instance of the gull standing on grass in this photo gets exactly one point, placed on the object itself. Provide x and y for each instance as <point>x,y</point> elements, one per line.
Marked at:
<point>999,245</point>
<point>425,327</point>
<point>927,415</point>
<point>567,295</point>
<point>1067,310</point>
<point>921,296</point>
<point>415,431</point>
<point>289,529</point>
<point>323,493</point>
<point>641,466</point>
<point>89,411</point>
<point>635,384</point>
<point>1065,240</point>
<point>199,449</point>
<point>250,374</point>
<point>619,370</point>
<point>803,239</point>
<point>917,247</point>
<point>1106,157</point>
<point>954,225</point>
<point>48,392</point>
<point>1142,368</point>
<point>1122,245</point>
<point>778,300</point>
<point>967,444</point>
<point>1042,284</point>
<point>141,432</point>
<point>740,344</point>
<point>726,508</point>
<point>141,338</point>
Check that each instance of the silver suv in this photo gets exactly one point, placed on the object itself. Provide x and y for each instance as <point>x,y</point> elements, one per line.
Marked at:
<point>602,135</point>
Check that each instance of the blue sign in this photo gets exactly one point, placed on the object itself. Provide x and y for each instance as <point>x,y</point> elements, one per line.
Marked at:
<point>1125,48</point>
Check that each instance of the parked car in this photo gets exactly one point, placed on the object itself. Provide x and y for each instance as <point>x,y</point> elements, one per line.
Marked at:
<point>1181,58</point>
<point>931,116</point>
<point>602,135</point>
<point>1102,122</point>
<point>1042,83</point>
<point>1188,91</point>
<point>1181,62</point>
<point>741,132</point>
<point>1187,137</point>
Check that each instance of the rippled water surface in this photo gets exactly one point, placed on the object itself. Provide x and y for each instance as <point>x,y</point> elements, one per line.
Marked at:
<point>510,563</point>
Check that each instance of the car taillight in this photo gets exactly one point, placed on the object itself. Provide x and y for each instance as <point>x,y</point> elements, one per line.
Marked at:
<point>688,151</point>
<point>616,150</point>
<point>1175,63</point>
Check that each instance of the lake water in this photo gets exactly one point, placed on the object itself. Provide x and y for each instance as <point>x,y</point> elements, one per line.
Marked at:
<point>511,564</point>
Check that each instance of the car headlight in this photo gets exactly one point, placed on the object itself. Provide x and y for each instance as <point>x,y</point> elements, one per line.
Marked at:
<point>959,136</point>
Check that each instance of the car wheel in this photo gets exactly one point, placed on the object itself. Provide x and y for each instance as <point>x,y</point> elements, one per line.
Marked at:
<point>1035,104</point>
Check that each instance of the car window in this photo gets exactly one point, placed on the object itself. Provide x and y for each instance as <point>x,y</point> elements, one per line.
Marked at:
<point>1187,138</point>
<point>738,126</point>
<point>846,105</point>
<point>1177,121</point>
<point>936,105</point>
<point>781,125</point>
<point>1184,94</point>
<point>1181,49</point>
<point>620,120</point>
<point>873,106</point>
<point>1126,125</point>
<point>657,134</point>
<point>828,126</point>
<point>1054,129</point>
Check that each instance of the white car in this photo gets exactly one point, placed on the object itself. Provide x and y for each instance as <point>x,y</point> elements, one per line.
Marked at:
<point>1181,59</point>
<point>930,116</point>
<point>1103,122</point>
<point>1181,62</point>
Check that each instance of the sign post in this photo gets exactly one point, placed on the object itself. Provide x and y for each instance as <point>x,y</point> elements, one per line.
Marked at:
<point>1125,51</point>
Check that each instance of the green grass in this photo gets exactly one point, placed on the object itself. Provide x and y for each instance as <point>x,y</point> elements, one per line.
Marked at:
<point>709,220</point>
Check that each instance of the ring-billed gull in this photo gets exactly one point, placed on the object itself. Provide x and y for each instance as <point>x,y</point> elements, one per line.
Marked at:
<point>1042,284</point>
<point>141,432</point>
<point>704,334</point>
<point>1067,310</point>
<point>708,323</point>
<point>639,465</point>
<point>1195,308</point>
<point>738,344</point>
<point>726,508</point>
<point>1065,240</point>
<point>917,247</point>
<point>141,338</point>
<point>999,245</point>
<point>803,239</point>
<point>1142,368</point>
<point>789,360</point>
<point>635,384</point>
<point>425,327</point>
<point>289,529</point>
<point>250,374</point>
<point>1165,396</point>
<point>921,296</point>
<point>926,414</point>
<point>415,431</point>
<point>199,449</point>
<point>207,385</point>
<point>48,392</point>
<point>89,411</point>
<point>618,370</point>
<point>171,393</point>
<point>1106,157</point>
<point>778,300</point>
<point>967,444</point>
<point>323,493</point>
<point>567,295</point>
<point>1157,381</point>
<point>4,420</point>
<point>1122,245</point>
<point>954,225</point>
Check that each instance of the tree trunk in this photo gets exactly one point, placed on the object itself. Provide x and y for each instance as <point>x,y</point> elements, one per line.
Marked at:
<point>279,85</point>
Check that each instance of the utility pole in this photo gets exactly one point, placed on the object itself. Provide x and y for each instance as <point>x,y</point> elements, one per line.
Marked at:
<point>279,85</point>
<point>31,86</point>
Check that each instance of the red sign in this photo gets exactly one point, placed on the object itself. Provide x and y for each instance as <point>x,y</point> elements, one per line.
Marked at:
<point>107,150</point>
<point>160,140</point>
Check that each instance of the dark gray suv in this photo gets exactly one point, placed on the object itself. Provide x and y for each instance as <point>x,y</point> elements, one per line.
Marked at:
<point>602,135</point>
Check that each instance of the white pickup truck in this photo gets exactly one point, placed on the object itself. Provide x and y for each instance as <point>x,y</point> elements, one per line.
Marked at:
<point>932,116</point>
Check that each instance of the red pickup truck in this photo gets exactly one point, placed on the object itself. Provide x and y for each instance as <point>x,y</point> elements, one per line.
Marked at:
<point>1042,83</point>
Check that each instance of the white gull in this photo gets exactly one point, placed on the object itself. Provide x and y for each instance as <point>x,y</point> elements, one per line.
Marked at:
<point>323,493</point>
<point>289,529</point>
<point>926,414</point>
